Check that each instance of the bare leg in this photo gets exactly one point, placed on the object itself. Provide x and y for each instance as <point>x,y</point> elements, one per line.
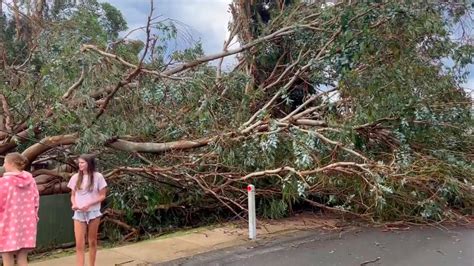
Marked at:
<point>22,257</point>
<point>8,259</point>
<point>80,229</point>
<point>92,238</point>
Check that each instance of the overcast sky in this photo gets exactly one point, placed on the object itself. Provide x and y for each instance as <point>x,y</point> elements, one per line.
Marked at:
<point>205,20</point>
<point>198,20</point>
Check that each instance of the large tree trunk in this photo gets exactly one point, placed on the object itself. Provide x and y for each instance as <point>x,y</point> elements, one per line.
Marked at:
<point>150,147</point>
<point>48,143</point>
<point>10,144</point>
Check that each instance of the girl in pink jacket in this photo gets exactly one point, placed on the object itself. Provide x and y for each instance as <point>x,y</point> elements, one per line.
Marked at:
<point>19,203</point>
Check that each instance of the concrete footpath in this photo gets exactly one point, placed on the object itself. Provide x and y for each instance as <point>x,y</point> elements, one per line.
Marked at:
<point>197,241</point>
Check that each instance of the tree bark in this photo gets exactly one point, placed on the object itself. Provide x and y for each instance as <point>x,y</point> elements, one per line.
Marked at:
<point>11,143</point>
<point>40,4</point>
<point>50,172</point>
<point>150,147</point>
<point>48,143</point>
<point>57,188</point>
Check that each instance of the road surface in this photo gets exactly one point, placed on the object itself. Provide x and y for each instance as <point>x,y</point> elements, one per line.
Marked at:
<point>416,246</point>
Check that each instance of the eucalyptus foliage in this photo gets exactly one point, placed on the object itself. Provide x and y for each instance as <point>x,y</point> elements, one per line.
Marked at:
<point>387,104</point>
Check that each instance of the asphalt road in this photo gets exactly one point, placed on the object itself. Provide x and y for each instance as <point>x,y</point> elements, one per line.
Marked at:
<point>416,246</point>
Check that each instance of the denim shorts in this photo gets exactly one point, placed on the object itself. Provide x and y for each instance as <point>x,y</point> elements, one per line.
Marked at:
<point>86,217</point>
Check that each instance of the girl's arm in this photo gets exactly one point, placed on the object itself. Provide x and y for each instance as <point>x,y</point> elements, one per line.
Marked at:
<point>73,200</point>
<point>99,199</point>
<point>72,186</point>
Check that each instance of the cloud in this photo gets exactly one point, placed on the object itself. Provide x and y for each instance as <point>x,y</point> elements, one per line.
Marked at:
<point>471,76</point>
<point>204,20</point>
<point>469,87</point>
<point>196,20</point>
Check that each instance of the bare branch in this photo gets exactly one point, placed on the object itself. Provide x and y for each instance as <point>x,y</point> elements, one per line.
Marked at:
<point>333,167</point>
<point>274,98</point>
<point>8,124</point>
<point>16,12</point>
<point>150,147</point>
<point>132,75</point>
<point>233,33</point>
<point>311,99</point>
<point>287,69</point>
<point>319,205</point>
<point>205,59</point>
<point>94,48</point>
<point>335,143</point>
<point>74,86</point>
<point>11,141</point>
<point>290,83</point>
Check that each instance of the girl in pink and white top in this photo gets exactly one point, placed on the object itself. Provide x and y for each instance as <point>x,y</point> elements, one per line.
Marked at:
<point>19,203</point>
<point>88,190</point>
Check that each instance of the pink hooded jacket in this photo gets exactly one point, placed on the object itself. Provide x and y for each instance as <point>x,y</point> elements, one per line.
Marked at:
<point>19,203</point>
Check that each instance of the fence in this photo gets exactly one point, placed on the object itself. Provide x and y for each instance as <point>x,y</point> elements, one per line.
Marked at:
<point>55,226</point>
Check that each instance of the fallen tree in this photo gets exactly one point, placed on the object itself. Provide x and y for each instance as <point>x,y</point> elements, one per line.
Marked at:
<point>346,108</point>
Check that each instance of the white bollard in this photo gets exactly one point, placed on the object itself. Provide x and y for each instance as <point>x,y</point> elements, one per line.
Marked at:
<point>252,215</point>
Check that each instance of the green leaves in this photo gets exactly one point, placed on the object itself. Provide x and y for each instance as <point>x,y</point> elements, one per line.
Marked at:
<point>273,209</point>
<point>113,20</point>
<point>397,103</point>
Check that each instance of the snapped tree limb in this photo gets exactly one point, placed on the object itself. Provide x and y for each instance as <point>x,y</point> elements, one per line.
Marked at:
<point>48,143</point>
